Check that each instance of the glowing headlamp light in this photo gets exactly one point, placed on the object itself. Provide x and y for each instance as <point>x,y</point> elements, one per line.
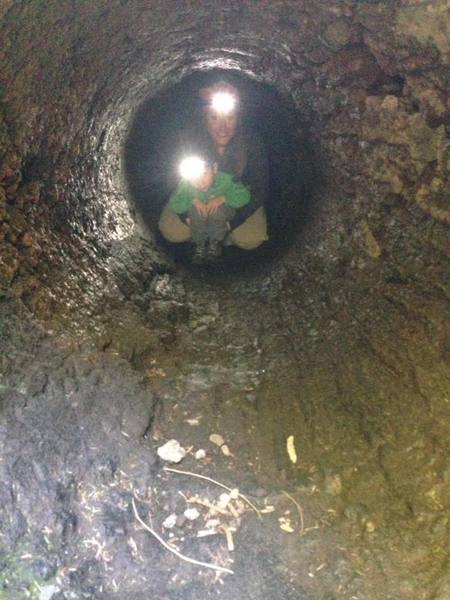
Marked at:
<point>192,168</point>
<point>223,103</point>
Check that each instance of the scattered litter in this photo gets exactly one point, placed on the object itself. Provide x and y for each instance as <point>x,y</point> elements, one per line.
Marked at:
<point>211,528</point>
<point>285,524</point>
<point>207,532</point>
<point>224,500</point>
<point>172,451</point>
<point>229,537</point>
<point>194,421</point>
<point>212,523</point>
<point>268,509</point>
<point>173,550</point>
<point>290,447</point>
<point>213,508</point>
<point>200,454</point>
<point>191,514</point>
<point>217,439</point>
<point>210,479</point>
<point>234,494</point>
<point>225,450</point>
<point>170,521</point>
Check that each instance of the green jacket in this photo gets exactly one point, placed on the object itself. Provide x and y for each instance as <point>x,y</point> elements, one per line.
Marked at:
<point>236,194</point>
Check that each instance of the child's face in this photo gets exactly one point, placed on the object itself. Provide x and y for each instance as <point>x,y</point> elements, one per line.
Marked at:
<point>205,181</point>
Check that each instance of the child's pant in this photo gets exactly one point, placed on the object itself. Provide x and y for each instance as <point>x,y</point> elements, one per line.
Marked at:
<point>213,227</point>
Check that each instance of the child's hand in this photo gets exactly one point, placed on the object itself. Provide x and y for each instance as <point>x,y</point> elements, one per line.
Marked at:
<point>201,208</point>
<point>214,204</point>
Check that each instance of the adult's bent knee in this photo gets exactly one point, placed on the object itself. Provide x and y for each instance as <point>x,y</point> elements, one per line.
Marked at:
<point>252,233</point>
<point>172,227</point>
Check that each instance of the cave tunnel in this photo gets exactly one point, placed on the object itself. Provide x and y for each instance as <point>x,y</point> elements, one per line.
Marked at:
<point>310,378</point>
<point>153,151</point>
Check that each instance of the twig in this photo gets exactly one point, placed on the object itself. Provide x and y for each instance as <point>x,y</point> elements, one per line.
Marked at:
<point>225,487</point>
<point>168,547</point>
<point>300,511</point>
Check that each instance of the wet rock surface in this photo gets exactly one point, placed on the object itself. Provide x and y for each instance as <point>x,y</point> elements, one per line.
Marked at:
<point>109,348</point>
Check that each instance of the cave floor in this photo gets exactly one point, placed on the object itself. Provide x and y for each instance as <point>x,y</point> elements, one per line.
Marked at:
<point>363,512</point>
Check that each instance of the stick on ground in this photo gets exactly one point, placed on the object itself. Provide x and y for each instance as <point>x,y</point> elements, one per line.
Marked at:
<point>222,485</point>
<point>170,549</point>
<point>300,512</point>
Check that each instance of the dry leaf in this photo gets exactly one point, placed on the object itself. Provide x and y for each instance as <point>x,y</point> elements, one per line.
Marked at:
<point>225,450</point>
<point>285,525</point>
<point>216,439</point>
<point>291,449</point>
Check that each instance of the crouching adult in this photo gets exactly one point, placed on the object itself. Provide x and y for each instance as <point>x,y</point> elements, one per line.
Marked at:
<point>234,151</point>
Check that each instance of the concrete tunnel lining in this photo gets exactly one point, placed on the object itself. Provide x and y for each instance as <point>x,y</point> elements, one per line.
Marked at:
<point>341,341</point>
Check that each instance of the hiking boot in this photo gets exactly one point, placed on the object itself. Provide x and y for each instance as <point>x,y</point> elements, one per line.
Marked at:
<point>214,250</point>
<point>199,255</point>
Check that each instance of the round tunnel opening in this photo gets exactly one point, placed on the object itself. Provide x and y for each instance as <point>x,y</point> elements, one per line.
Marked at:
<point>152,153</point>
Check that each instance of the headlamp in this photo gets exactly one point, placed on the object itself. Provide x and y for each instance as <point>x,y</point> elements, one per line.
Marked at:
<point>192,168</point>
<point>223,103</point>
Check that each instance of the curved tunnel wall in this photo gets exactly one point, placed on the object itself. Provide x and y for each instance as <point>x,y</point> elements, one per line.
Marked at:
<point>369,78</point>
<point>353,315</point>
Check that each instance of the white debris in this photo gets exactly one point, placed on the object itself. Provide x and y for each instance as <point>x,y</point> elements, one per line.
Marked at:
<point>290,447</point>
<point>234,494</point>
<point>194,421</point>
<point>172,451</point>
<point>285,525</point>
<point>217,439</point>
<point>212,523</point>
<point>224,500</point>
<point>170,521</point>
<point>200,454</point>
<point>225,450</point>
<point>206,532</point>
<point>47,592</point>
<point>191,514</point>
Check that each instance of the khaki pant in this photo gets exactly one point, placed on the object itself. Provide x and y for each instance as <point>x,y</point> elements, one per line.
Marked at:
<point>248,236</point>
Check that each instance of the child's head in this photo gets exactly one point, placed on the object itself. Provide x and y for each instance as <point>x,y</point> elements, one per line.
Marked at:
<point>199,171</point>
<point>204,181</point>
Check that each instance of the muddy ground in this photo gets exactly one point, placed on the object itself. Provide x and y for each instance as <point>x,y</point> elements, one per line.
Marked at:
<point>254,357</point>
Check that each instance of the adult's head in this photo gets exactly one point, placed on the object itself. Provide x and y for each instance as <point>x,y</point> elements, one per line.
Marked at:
<point>221,109</point>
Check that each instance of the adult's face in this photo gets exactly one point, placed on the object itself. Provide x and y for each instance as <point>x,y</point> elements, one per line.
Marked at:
<point>221,127</point>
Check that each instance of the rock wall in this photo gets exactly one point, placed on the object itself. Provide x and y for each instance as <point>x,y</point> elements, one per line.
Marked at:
<point>342,338</point>
<point>369,78</point>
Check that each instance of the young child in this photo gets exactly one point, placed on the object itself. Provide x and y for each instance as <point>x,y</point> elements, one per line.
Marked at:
<point>207,201</point>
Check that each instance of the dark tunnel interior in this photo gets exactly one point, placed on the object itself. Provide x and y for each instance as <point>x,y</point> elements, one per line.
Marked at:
<point>153,150</point>
<point>274,428</point>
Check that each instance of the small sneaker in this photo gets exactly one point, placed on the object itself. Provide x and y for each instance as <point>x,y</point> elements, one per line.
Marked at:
<point>199,255</point>
<point>214,249</point>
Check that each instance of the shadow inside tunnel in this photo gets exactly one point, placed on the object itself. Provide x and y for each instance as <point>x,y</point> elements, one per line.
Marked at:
<point>152,152</point>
